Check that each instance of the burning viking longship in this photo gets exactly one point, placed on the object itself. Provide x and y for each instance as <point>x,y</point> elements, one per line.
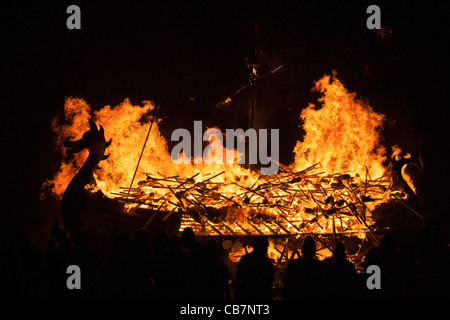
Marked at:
<point>340,181</point>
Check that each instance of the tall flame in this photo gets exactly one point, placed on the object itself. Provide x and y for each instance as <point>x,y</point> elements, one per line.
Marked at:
<point>343,134</point>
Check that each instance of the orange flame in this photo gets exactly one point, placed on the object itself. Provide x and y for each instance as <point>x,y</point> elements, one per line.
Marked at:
<point>343,135</point>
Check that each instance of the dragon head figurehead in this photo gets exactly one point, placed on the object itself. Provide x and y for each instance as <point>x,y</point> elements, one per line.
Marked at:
<point>93,140</point>
<point>75,202</point>
<point>405,171</point>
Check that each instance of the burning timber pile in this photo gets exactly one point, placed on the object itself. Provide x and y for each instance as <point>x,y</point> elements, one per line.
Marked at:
<point>337,180</point>
<point>287,203</point>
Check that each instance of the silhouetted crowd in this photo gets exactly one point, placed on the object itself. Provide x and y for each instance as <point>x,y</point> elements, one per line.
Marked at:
<point>179,267</point>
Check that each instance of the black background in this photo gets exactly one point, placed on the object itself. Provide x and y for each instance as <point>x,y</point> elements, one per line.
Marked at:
<point>170,51</point>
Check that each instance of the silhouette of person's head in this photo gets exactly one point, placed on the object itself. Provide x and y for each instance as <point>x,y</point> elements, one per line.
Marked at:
<point>79,240</point>
<point>260,244</point>
<point>64,243</point>
<point>373,257</point>
<point>339,250</point>
<point>54,229</point>
<point>188,238</point>
<point>52,247</point>
<point>161,240</point>
<point>141,240</point>
<point>211,246</point>
<point>173,244</point>
<point>308,248</point>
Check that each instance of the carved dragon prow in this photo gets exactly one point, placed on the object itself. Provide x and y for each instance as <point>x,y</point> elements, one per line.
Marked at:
<point>95,215</point>
<point>405,171</point>
<point>75,201</point>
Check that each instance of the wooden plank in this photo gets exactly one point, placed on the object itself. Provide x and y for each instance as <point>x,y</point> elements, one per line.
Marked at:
<point>242,228</point>
<point>214,228</point>
<point>228,228</point>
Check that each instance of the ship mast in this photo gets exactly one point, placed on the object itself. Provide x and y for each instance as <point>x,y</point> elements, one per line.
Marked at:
<point>252,68</point>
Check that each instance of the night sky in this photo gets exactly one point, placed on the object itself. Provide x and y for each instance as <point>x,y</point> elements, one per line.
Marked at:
<point>171,52</point>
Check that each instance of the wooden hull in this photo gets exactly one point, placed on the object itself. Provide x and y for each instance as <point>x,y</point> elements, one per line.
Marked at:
<point>107,219</point>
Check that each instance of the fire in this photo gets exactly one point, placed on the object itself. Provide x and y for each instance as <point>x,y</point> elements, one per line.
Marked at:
<point>74,124</point>
<point>343,135</point>
<point>336,180</point>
